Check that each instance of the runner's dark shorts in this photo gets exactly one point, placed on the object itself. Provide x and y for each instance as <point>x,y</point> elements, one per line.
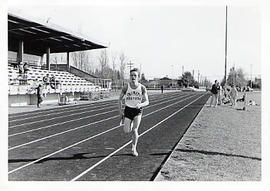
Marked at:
<point>132,112</point>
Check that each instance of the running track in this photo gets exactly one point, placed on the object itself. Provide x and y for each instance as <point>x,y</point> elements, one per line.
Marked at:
<point>85,142</point>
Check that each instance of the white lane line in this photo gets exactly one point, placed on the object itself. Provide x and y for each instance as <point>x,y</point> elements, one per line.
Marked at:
<point>60,133</point>
<point>107,157</point>
<point>29,123</point>
<point>63,108</point>
<point>53,135</point>
<point>56,113</point>
<point>45,127</point>
<point>89,138</point>
<point>68,107</point>
<point>59,117</point>
<point>28,164</point>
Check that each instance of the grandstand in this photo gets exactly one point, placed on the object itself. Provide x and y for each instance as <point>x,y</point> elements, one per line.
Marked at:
<point>28,37</point>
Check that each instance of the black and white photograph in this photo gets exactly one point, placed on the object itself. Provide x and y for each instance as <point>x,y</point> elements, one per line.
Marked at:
<point>134,95</point>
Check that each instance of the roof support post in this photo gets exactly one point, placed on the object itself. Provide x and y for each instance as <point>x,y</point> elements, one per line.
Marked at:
<point>20,52</point>
<point>68,65</point>
<point>48,58</point>
<point>41,60</point>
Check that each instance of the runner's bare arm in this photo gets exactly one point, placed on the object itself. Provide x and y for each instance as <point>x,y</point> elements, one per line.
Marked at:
<point>122,94</point>
<point>145,100</point>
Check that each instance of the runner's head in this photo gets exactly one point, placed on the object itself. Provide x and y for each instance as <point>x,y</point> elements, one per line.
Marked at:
<point>134,75</point>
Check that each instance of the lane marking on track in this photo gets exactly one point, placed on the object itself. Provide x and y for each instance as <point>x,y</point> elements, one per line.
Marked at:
<point>110,155</point>
<point>53,135</point>
<point>63,108</point>
<point>82,107</point>
<point>89,138</point>
<point>65,111</point>
<point>68,107</point>
<point>59,117</point>
<point>48,126</point>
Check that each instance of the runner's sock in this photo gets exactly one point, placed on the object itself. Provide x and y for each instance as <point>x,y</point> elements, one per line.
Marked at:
<point>134,151</point>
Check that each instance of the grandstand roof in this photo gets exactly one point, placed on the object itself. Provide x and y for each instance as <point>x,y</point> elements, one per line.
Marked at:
<point>37,37</point>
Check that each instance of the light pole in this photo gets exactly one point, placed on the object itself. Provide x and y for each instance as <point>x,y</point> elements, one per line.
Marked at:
<point>225,76</point>
<point>251,75</point>
<point>172,75</point>
<point>198,76</point>
<point>130,64</point>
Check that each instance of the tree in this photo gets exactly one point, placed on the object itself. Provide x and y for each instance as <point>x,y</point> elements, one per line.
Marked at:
<point>122,59</point>
<point>236,77</point>
<point>207,83</point>
<point>257,83</point>
<point>80,59</point>
<point>143,79</point>
<point>113,59</point>
<point>104,64</point>
<point>54,60</point>
<point>187,80</point>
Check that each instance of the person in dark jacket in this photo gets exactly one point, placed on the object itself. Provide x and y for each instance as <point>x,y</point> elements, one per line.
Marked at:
<point>39,95</point>
<point>214,95</point>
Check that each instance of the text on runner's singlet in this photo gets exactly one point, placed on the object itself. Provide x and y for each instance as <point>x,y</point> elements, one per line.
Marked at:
<point>133,96</point>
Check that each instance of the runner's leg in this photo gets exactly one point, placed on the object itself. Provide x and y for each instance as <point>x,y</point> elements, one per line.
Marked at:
<point>127,125</point>
<point>135,135</point>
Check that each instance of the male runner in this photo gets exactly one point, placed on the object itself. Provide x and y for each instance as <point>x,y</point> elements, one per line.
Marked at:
<point>135,99</point>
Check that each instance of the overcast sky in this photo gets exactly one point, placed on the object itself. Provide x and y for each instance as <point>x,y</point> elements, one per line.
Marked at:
<point>162,39</point>
<point>157,37</point>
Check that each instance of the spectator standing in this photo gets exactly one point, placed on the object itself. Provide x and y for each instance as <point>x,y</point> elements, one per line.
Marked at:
<point>233,95</point>
<point>22,78</point>
<point>214,92</point>
<point>219,89</point>
<point>24,74</point>
<point>162,88</point>
<point>39,95</point>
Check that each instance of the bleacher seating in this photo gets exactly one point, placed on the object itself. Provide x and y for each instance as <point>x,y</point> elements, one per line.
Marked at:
<point>18,84</point>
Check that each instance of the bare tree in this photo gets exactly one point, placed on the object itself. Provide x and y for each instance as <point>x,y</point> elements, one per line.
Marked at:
<point>236,77</point>
<point>90,64</point>
<point>104,63</point>
<point>80,59</point>
<point>122,59</point>
<point>54,60</point>
<point>114,72</point>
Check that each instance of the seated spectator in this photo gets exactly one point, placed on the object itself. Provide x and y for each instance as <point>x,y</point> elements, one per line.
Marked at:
<point>25,68</point>
<point>15,65</point>
<point>46,80</point>
<point>53,82</point>
<point>226,100</point>
<point>20,65</point>
<point>241,99</point>
<point>52,79</point>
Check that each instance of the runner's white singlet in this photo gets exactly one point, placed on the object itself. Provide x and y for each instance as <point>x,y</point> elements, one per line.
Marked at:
<point>133,96</point>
